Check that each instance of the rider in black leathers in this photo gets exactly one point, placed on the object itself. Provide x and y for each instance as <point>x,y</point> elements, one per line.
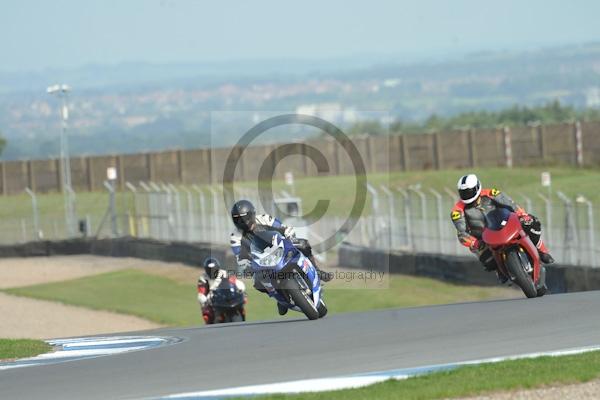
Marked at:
<point>247,222</point>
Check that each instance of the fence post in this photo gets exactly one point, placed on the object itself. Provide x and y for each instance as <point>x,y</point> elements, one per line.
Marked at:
<point>180,174</point>
<point>178,220</point>
<point>437,156</point>
<point>392,214</point>
<point>203,219</point>
<point>438,198</point>
<point>373,219</point>
<point>31,175</point>
<point>507,146</point>
<point>570,229</point>
<point>591,235</point>
<point>215,202</point>
<point>424,224</point>
<point>133,227</point>
<point>542,141</point>
<point>37,233</point>
<point>472,149</point>
<point>171,216</point>
<point>112,207</point>
<point>548,204</point>
<point>453,199</point>
<point>190,214</point>
<point>3,177</point>
<point>405,153</point>
<point>407,221</point>
<point>89,174</point>
<point>578,144</point>
<point>160,216</point>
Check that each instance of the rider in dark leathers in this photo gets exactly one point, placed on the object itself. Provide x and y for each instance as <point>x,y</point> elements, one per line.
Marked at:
<point>247,222</point>
<point>468,216</point>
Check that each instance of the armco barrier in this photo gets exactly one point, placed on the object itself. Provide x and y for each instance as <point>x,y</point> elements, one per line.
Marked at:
<point>464,270</point>
<point>186,253</point>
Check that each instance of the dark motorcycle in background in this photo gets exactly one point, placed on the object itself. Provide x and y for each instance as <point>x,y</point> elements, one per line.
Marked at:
<point>228,302</point>
<point>515,254</point>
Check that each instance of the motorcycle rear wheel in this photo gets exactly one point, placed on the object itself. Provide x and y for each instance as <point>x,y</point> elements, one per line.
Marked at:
<point>517,270</point>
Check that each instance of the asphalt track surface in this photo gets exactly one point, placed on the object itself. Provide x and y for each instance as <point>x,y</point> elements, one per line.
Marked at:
<point>256,353</point>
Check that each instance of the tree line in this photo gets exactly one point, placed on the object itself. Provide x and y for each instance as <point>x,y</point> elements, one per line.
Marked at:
<point>549,113</point>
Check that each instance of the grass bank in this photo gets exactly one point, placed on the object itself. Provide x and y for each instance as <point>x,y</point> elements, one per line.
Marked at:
<point>473,380</point>
<point>21,348</point>
<point>173,303</point>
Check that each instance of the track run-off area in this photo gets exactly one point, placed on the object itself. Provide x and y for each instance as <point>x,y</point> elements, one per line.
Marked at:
<point>235,355</point>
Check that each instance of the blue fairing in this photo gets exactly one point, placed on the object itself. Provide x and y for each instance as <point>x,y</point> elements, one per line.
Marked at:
<point>290,255</point>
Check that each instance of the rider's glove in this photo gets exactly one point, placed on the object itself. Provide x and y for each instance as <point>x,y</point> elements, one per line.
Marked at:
<point>526,219</point>
<point>476,245</point>
<point>289,232</point>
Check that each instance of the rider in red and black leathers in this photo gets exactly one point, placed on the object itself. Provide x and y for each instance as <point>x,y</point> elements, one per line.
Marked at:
<point>468,218</point>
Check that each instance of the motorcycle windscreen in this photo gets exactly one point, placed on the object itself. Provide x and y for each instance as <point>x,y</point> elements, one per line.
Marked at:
<point>497,219</point>
<point>501,227</point>
<point>262,240</point>
<point>266,249</point>
<point>229,297</point>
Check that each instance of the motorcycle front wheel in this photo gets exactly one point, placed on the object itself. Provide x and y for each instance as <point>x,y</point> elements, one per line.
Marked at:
<point>299,293</point>
<point>517,266</point>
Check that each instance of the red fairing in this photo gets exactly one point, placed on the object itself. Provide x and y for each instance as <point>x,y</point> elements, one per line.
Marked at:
<point>511,234</point>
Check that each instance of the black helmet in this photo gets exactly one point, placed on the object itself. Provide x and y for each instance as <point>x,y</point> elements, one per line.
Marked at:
<point>211,267</point>
<point>243,215</point>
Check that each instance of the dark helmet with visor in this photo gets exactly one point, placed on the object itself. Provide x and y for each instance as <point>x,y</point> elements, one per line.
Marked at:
<point>243,215</point>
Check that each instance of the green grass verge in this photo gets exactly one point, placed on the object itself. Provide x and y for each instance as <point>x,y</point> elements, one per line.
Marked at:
<point>131,292</point>
<point>473,380</point>
<point>21,348</point>
<point>165,301</point>
<point>340,189</point>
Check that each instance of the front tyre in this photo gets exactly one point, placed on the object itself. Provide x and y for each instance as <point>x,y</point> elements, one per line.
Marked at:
<point>302,297</point>
<point>322,309</point>
<point>237,317</point>
<point>516,268</point>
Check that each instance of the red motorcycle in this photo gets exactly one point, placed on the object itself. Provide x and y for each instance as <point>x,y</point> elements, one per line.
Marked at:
<point>514,252</point>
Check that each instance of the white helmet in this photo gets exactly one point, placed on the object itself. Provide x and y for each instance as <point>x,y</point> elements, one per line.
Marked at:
<point>469,188</point>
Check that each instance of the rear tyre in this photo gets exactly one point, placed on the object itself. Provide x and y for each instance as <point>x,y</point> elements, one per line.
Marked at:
<point>300,298</point>
<point>515,266</point>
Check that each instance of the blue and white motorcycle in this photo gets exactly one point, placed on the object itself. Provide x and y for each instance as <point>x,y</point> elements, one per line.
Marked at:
<point>288,276</point>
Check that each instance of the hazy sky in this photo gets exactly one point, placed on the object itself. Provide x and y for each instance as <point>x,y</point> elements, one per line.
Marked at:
<point>68,33</point>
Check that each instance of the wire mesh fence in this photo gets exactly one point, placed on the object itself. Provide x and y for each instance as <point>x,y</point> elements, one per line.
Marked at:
<point>410,219</point>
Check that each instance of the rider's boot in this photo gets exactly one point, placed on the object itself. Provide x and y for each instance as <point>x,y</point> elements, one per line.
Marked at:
<point>324,276</point>
<point>282,309</point>
<point>544,253</point>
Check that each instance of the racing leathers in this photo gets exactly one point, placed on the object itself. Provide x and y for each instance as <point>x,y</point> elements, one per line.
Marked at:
<point>469,221</point>
<point>205,287</point>
<point>240,243</point>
